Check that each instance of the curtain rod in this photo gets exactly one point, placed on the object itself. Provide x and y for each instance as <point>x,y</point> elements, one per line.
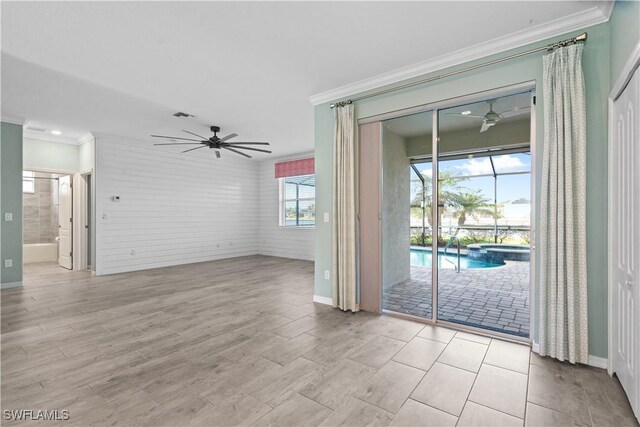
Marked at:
<point>549,48</point>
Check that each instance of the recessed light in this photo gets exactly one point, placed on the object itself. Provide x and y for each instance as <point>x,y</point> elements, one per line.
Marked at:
<point>56,132</point>
<point>466,113</point>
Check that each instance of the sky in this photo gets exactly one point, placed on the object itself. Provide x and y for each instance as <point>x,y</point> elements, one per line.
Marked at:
<point>510,187</point>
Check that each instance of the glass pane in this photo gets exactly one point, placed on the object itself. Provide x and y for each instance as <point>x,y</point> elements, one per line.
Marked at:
<point>307,191</point>
<point>484,221</point>
<point>290,213</point>
<point>290,190</point>
<point>514,218</point>
<point>518,162</point>
<point>406,215</point>
<point>307,212</point>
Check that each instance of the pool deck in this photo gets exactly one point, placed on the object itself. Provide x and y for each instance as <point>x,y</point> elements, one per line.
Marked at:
<point>490,298</point>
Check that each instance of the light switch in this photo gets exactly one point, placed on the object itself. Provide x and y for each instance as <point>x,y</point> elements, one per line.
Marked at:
<point>8,216</point>
<point>8,263</point>
<point>326,217</point>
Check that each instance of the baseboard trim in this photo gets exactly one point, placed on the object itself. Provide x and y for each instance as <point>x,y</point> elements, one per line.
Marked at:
<point>595,361</point>
<point>598,362</point>
<point>11,285</point>
<point>322,300</point>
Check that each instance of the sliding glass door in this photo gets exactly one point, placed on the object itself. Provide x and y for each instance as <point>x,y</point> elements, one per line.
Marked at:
<point>456,212</point>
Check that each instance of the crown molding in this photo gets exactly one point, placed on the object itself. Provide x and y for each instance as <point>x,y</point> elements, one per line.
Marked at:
<point>606,7</point>
<point>86,138</point>
<point>53,138</point>
<point>577,21</point>
<point>12,120</point>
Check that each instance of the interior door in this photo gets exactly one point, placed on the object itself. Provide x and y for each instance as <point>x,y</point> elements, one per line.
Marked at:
<point>65,222</point>
<point>626,235</point>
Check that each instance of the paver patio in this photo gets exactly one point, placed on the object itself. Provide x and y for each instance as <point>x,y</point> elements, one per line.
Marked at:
<point>491,298</point>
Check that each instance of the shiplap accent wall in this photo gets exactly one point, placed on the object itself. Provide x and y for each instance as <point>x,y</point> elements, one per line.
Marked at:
<point>287,242</point>
<point>174,208</point>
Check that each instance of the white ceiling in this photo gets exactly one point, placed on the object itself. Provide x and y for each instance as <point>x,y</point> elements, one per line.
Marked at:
<point>124,68</point>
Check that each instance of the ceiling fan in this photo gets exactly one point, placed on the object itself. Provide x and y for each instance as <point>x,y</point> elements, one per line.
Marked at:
<point>214,142</point>
<point>492,118</point>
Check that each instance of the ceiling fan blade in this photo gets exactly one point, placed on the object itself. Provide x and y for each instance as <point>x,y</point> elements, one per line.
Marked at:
<point>485,127</point>
<point>511,113</point>
<point>179,143</point>
<point>465,115</point>
<point>195,134</point>
<point>248,143</point>
<point>228,137</point>
<point>226,147</point>
<point>191,149</point>
<point>175,137</point>
<point>217,154</point>
<point>249,148</point>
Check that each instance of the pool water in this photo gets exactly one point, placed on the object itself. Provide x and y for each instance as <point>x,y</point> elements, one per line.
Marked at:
<point>422,258</point>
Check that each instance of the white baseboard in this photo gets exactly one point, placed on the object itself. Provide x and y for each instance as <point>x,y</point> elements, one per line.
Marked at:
<point>598,362</point>
<point>11,285</point>
<point>322,300</point>
<point>595,361</point>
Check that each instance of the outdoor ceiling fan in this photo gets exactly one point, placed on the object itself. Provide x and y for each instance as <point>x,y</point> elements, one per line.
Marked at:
<point>214,142</point>
<point>492,118</point>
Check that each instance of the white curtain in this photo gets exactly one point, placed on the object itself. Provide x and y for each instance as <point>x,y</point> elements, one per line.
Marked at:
<point>344,209</point>
<point>563,254</point>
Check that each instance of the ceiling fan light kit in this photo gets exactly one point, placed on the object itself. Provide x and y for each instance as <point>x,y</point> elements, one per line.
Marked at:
<point>214,142</point>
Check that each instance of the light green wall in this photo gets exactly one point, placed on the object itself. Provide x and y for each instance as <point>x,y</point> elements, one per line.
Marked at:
<point>11,192</point>
<point>625,34</point>
<point>50,156</point>
<point>87,156</point>
<point>527,68</point>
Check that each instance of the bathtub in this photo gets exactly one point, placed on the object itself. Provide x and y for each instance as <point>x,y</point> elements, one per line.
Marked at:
<point>40,252</point>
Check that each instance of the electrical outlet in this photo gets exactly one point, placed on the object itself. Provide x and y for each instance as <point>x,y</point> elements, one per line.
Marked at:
<point>8,216</point>
<point>326,217</point>
<point>8,263</point>
<point>327,274</point>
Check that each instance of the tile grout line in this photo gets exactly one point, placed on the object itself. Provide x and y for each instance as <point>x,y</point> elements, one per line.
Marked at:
<point>474,379</point>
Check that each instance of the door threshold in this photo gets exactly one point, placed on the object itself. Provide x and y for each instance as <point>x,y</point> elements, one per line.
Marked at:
<point>462,328</point>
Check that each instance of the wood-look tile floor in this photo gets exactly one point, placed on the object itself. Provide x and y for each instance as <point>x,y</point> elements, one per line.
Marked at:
<point>239,342</point>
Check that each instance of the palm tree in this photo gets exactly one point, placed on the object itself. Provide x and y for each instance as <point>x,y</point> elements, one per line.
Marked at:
<point>447,183</point>
<point>468,204</point>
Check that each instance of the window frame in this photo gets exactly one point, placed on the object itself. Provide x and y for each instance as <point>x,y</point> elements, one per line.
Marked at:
<point>282,201</point>
<point>28,177</point>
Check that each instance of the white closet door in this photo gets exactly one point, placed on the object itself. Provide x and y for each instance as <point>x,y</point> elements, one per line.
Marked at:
<point>626,240</point>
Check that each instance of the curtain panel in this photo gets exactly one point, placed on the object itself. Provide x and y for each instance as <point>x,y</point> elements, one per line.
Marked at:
<point>344,209</point>
<point>563,282</point>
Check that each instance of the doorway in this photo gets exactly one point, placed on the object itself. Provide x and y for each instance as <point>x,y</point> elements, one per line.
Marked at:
<point>48,212</point>
<point>477,217</point>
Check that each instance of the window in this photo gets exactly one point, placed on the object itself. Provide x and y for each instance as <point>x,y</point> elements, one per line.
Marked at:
<point>298,201</point>
<point>28,182</point>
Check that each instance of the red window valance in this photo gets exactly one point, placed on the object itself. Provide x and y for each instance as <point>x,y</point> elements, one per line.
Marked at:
<point>295,167</point>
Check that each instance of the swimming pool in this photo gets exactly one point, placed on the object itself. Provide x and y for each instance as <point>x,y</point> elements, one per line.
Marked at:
<point>421,258</point>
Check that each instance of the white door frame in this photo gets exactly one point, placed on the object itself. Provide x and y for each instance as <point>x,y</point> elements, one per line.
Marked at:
<point>434,107</point>
<point>79,209</point>
<point>632,64</point>
<point>80,232</point>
